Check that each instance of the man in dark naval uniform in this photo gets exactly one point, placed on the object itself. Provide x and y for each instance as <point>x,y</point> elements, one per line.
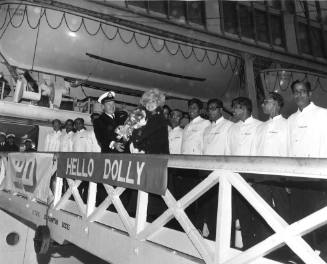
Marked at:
<point>105,125</point>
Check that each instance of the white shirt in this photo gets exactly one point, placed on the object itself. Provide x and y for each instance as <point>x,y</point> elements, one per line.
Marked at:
<point>241,137</point>
<point>82,141</point>
<point>271,138</point>
<point>215,137</point>
<point>307,132</point>
<point>175,140</point>
<point>94,142</point>
<point>192,140</point>
<point>52,141</point>
<point>66,142</point>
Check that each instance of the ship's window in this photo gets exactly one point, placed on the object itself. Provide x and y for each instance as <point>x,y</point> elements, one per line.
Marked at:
<point>309,9</point>
<point>323,9</point>
<point>177,10</point>
<point>141,4</point>
<point>303,38</point>
<point>312,10</point>
<point>311,16</point>
<point>317,41</point>
<point>230,17</point>
<point>260,21</point>
<point>246,20</point>
<point>300,8</point>
<point>274,4</point>
<point>290,6</point>
<point>158,6</point>
<point>195,12</point>
<point>12,238</point>
<point>276,30</point>
<point>261,26</point>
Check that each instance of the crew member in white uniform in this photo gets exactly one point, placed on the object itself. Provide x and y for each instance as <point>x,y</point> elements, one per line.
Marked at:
<point>241,134</point>
<point>82,138</point>
<point>307,137</point>
<point>271,136</point>
<point>271,140</point>
<point>215,135</point>
<point>240,140</point>
<point>52,140</point>
<point>214,143</point>
<point>192,142</point>
<point>307,128</point>
<point>66,142</point>
<point>175,134</point>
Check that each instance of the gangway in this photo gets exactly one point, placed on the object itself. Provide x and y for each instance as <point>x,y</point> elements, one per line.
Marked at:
<point>117,237</point>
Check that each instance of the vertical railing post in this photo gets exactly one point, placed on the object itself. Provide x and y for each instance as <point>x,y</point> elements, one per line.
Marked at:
<point>91,198</point>
<point>224,220</point>
<point>141,211</point>
<point>57,190</point>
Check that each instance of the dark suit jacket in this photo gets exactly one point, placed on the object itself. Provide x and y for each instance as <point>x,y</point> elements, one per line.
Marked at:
<point>13,148</point>
<point>104,130</point>
<point>153,137</point>
<point>2,147</point>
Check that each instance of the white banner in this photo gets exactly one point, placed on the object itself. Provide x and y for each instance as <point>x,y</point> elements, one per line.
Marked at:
<point>30,173</point>
<point>3,163</point>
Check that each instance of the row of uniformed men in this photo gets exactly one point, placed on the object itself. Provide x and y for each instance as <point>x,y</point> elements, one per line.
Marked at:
<point>75,138</point>
<point>303,134</point>
<point>7,143</point>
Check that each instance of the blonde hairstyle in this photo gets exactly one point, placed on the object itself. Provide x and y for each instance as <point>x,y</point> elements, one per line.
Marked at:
<point>153,94</point>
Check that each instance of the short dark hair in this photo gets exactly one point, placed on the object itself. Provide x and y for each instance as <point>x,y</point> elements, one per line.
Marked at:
<point>306,84</point>
<point>243,101</point>
<point>56,120</point>
<point>195,101</point>
<point>79,119</point>
<point>216,101</point>
<point>167,107</point>
<point>278,98</point>
<point>69,120</point>
<point>185,115</point>
<point>177,110</point>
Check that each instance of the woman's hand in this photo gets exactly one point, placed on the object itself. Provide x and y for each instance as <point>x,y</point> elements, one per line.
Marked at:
<point>119,146</point>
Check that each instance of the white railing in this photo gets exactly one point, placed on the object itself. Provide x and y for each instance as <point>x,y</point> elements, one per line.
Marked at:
<point>120,238</point>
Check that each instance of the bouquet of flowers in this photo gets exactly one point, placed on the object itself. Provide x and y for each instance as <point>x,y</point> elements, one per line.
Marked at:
<point>135,120</point>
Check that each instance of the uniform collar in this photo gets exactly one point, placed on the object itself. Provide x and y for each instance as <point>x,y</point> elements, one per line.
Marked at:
<point>247,121</point>
<point>197,119</point>
<point>276,117</point>
<point>176,128</point>
<point>218,120</point>
<point>110,115</point>
<point>308,108</point>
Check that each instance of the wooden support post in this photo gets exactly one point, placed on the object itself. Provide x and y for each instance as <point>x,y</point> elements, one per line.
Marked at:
<point>141,211</point>
<point>250,82</point>
<point>224,220</point>
<point>91,197</point>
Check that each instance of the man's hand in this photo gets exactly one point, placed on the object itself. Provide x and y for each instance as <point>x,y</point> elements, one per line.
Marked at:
<point>119,146</point>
